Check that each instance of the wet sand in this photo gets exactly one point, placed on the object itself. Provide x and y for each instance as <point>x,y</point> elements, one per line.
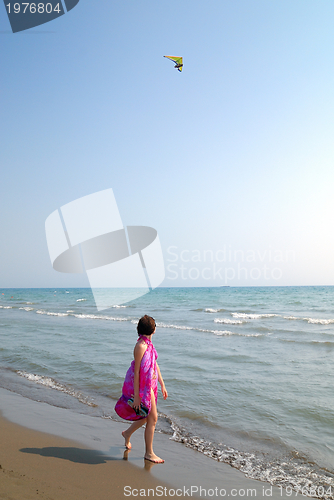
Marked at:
<point>38,465</point>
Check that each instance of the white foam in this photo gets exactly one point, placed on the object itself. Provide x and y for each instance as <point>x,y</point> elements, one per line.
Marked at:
<point>316,321</point>
<point>227,321</point>
<point>291,472</point>
<point>48,313</point>
<point>53,384</point>
<point>209,310</point>
<point>183,327</point>
<point>226,332</point>
<point>312,321</point>
<point>215,332</point>
<point>253,316</point>
<point>176,327</point>
<point>27,308</point>
<point>81,300</point>
<point>81,316</point>
<point>94,316</point>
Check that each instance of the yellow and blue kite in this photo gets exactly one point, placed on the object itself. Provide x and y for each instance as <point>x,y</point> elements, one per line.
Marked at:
<point>178,62</point>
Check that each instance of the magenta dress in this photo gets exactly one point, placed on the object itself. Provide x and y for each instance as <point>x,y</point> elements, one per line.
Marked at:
<point>148,379</point>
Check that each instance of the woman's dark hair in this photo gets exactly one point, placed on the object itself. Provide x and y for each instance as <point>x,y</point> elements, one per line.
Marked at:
<point>146,325</point>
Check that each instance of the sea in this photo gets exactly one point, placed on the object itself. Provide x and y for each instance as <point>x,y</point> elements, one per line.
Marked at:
<point>249,370</point>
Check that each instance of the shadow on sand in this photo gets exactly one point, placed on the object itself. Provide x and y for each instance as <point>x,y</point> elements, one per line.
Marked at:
<point>78,455</point>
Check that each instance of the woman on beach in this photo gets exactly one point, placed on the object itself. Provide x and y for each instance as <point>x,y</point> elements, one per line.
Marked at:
<point>141,384</point>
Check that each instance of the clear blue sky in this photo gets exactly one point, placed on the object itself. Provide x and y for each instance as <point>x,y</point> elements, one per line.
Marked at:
<point>234,154</point>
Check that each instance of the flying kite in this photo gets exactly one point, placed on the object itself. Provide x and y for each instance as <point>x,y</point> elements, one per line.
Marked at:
<point>178,62</point>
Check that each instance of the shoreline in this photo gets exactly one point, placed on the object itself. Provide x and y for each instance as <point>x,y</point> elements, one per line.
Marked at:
<point>39,465</point>
<point>70,456</point>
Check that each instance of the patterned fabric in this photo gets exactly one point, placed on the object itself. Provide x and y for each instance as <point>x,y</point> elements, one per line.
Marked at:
<point>148,379</point>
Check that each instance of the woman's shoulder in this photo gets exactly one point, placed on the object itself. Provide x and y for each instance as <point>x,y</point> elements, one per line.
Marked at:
<point>139,350</point>
<point>141,345</point>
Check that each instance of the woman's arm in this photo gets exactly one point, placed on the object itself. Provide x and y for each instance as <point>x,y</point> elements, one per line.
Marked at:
<point>162,383</point>
<point>139,351</point>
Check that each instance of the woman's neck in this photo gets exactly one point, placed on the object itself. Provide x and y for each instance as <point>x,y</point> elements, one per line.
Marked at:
<point>149,337</point>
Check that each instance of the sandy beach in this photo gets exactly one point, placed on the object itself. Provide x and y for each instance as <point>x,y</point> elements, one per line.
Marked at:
<point>38,465</point>
<point>53,453</point>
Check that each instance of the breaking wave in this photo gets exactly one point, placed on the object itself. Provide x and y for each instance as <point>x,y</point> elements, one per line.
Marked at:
<point>48,313</point>
<point>293,471</point>
<point>253,316</point>
<point>53,384</point>
<point>227,321</point>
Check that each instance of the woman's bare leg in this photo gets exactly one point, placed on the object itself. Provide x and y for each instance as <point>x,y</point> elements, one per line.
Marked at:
<point>130,430</point>
<point>149,432</point>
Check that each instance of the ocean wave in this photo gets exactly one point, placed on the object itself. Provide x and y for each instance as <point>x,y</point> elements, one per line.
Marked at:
<point>312,321</point>
<point>71,313</point>
<point>81,300</point>
<point>204,330</point>
<point>306,342</point>
<point>315,321</point>
<point>289,471</point>
<point>227,333</point>
<point>82,315</point>
<point>229,321</point>
<point>94,316</point>
<point>173,327</point>
<point>253,316</point>
<point>220,333</point>
<point>48,313</point>
<point>183,327</point>
<point>53,384</point>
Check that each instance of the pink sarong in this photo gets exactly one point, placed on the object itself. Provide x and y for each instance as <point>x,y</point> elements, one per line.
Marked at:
<point>148,379</point>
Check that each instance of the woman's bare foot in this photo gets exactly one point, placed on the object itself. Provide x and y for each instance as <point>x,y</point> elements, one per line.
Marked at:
<point>127,440</point>
<point>153,458</point>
